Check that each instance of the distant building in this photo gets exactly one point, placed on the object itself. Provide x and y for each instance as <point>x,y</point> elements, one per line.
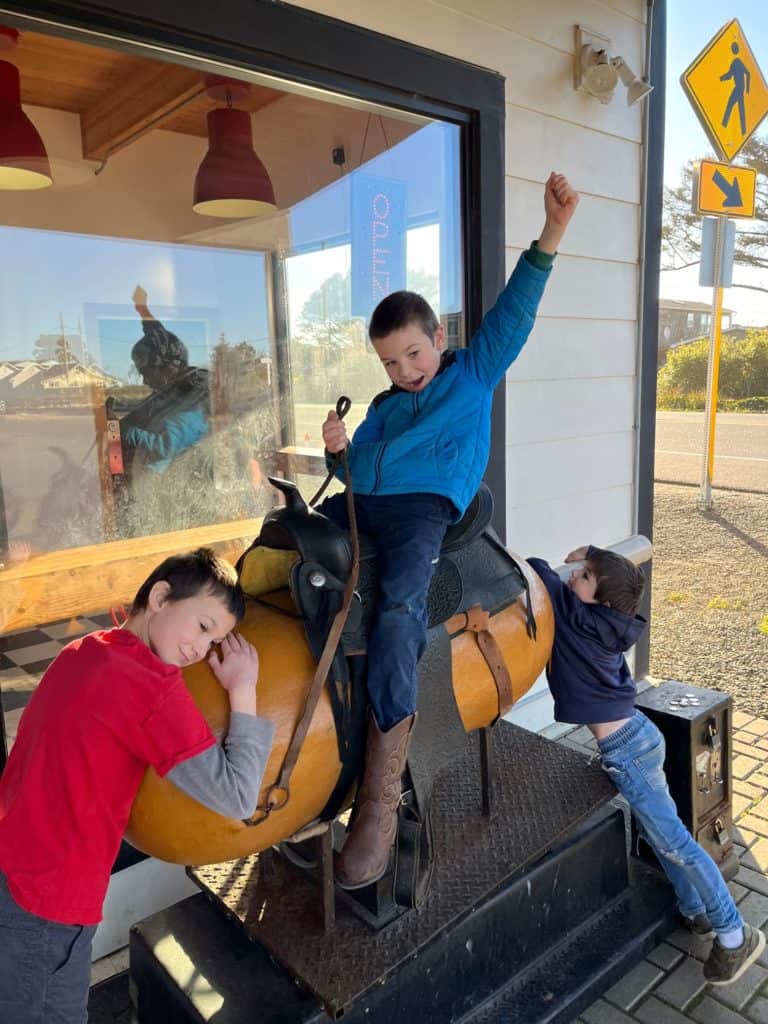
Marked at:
<point>35,383</point>
<point>683,320</point>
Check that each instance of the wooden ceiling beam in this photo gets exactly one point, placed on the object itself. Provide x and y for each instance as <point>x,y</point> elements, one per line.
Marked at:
<point>139,103</point>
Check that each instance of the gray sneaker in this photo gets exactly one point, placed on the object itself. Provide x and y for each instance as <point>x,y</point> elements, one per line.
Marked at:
<point>725,966</point>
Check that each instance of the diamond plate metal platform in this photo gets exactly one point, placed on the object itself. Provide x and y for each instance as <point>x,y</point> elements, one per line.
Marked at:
<point>542,791</point>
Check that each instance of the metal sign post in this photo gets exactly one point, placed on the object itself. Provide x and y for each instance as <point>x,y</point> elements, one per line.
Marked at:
<point>713,366</point>
<point>729,95</point>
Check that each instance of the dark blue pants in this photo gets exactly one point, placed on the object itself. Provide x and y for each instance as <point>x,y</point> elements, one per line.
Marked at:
<point>407,530</point>
<point>45,967</point>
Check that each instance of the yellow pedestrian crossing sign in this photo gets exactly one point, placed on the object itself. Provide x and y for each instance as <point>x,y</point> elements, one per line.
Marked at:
<point>727,90</point>
<point>723,189</point>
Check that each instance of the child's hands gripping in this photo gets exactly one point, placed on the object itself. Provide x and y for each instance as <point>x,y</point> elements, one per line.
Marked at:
<point>238,671</point>
<point>578,555</point>
<point>334,433</point>
<point>560,202</point>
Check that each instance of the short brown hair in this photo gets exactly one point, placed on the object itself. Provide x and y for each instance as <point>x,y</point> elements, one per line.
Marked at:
<point>620,583</point>
<point>188,574</point>
<point>400,309</point>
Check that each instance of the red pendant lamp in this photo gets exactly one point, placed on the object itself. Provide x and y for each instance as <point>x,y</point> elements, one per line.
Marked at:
<point>231,181</point>
<point>23,159</point>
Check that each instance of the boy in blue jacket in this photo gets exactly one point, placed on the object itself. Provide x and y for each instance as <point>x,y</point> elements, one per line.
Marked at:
<point>596,621</point>
<point>416,462</point>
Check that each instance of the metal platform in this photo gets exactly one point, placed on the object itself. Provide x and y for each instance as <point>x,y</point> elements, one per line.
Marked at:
<point>542,791</point>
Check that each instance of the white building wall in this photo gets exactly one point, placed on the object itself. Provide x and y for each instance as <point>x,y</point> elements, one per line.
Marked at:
<point>570,438</point>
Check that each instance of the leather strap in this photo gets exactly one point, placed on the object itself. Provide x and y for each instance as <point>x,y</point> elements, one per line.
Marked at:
<point>279,793</point>
<point>477,620</point>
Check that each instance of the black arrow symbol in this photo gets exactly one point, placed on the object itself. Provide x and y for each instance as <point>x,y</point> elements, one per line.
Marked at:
<point>732,192</point>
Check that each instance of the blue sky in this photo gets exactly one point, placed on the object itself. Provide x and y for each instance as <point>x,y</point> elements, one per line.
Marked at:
<point>685,140</point>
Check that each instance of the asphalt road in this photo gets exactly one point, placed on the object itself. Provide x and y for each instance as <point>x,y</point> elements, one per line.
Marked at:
<point>741,449</point>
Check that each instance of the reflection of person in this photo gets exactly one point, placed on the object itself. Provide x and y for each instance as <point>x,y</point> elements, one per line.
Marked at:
<point>416,462</point>
<point>739,72</point>
<point>596,621</point>
<point>111,704</point>
<point>176,415</point>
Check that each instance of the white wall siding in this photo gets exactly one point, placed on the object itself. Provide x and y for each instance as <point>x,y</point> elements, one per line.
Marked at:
<point>572,348</point>
<point>619,241</point>
<point>599,164</point>
<point>553,528</point>
<point>550,470</point>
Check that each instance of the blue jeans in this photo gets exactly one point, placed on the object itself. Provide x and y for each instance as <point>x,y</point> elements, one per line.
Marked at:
<point>45,967</point>
<point>634,758</point>
<point>408,530</point>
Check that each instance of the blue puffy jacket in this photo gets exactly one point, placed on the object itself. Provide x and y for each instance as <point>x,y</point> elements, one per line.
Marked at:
<point>437,441</point>
<point>179,432</point>
<point>587,673</point>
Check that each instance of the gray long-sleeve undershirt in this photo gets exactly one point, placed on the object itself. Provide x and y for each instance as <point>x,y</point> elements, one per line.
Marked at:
<point>228,778</point>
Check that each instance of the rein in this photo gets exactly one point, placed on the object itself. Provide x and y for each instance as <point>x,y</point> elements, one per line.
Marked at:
<point>279,793</point>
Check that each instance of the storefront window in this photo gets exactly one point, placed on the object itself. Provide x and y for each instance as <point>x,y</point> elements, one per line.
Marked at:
<point>158,363</point>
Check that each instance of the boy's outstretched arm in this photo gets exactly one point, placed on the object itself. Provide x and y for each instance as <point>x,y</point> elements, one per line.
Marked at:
<point>506,327</point>
<point>560,202</point>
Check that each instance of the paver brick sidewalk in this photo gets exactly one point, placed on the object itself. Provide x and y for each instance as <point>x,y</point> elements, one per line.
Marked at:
<point>668,987</point>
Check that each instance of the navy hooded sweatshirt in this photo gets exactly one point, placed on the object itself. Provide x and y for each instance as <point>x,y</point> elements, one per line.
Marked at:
<point>587,673</point>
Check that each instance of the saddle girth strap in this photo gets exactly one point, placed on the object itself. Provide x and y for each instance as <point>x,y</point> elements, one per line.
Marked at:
<point>478,622</point>
<point>279,793</point>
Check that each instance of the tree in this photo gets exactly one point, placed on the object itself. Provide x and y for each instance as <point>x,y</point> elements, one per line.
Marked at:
<point>681,230</point>
<point>743,371</point>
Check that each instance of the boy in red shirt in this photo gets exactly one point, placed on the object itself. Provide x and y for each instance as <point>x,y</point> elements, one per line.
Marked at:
<point>110,705</point>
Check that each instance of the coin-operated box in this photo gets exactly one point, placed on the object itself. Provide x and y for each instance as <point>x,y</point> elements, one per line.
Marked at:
<point>696,725</point>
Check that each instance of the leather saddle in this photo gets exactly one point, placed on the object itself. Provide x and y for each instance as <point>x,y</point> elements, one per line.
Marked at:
<point>474,574</point>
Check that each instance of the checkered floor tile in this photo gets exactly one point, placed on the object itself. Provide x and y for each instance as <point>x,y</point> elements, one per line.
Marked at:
<point>26,654</point>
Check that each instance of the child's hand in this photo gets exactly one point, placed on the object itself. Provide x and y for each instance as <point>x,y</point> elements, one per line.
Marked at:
<point>238,667</point>
<point>578,555</point>
<point>334,433</point>
<point>560,202</point>
<point>140,302</point>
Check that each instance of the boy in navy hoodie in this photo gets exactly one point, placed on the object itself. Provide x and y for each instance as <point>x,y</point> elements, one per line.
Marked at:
<point>416,462</point>
<point>596,621</point>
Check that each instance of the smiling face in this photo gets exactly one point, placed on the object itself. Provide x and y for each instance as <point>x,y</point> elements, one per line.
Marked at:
<point>410,357</point>
<point>182,632</point>
<point>583,583</point>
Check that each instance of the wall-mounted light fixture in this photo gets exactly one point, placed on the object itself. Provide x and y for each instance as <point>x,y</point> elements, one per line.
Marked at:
<point>597,73</point>
<point>23,159</point>
<point>231,181</point>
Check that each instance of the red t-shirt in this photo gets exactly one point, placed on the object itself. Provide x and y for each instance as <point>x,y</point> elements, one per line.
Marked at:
<point>106,709</point>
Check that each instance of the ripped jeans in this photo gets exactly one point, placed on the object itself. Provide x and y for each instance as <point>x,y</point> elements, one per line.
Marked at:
<point>633,756</point>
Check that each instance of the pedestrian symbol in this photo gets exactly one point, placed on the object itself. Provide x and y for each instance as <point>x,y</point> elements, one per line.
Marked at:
<point>727,90</point>
<point>723,189</point>
<point>739,72</point>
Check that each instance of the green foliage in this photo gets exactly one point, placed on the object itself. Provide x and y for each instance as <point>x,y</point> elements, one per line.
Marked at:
<point>743,383</point>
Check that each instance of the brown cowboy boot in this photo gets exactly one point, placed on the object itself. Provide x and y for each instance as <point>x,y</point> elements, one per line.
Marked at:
<point>366,851</point>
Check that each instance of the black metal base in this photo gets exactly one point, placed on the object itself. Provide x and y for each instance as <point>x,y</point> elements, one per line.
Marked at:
<point>529,917</point>
<point>540,951</point>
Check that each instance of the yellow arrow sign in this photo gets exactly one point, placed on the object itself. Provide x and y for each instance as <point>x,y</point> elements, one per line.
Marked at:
<point>724,189</point>
<point>727,90</point>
